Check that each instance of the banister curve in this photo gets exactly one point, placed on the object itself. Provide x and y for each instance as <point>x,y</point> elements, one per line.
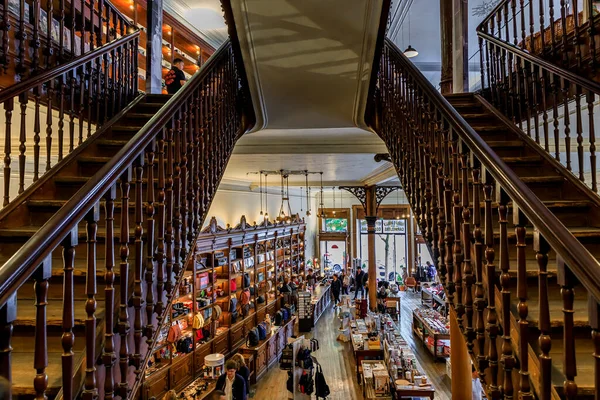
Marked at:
<point>24,263</point>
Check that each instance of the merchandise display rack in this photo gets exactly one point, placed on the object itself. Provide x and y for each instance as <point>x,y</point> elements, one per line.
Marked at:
<point>432,300</point>
<point>223,256</point>
<point>432,331</point>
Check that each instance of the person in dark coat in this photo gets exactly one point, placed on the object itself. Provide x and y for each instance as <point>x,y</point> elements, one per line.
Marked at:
<point>232,383</point>
<point>336,289</point>
<point>358,282</point>
<point>242,370</point>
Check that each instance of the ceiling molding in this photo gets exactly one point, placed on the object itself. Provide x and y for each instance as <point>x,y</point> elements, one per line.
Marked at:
<point>310,148</point>
<point>240,15</point>
<point>384,173</point>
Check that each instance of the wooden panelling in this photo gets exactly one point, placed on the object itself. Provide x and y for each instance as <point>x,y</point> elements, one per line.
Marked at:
<point>157,386</point>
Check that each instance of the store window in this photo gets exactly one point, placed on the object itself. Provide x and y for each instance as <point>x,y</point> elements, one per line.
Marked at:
<point>336,225</point>
<point>391,246</point>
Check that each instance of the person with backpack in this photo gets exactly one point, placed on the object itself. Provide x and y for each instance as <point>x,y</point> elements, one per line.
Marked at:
<point>359,283</point>
<point>345,283</point>
<point>175,78</point>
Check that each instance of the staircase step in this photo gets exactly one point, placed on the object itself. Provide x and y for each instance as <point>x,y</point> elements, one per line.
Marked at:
<point>542,180</point>
<point>585,379</point>
<point>26,315</point>
<point>523,160</point>
<point>23,372</point>
<point>506,144</point>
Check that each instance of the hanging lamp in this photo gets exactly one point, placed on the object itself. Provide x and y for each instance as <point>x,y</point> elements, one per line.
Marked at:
<point>266,197</point>
<point>333,191</point>
<point>261,193</point>
<point>410,51</point>
<point>397,203</point>
<point>321,203</point>
<point>281,214</point>
<point>307,194</point>
<point>301,197</point>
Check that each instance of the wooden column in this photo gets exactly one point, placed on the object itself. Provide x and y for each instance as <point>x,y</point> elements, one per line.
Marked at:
<point>460,46</point>
<point>154,24</point>
<point>371,217</point>
<point>410,243</point>
<point>460,360</point>
<point>446,39</point>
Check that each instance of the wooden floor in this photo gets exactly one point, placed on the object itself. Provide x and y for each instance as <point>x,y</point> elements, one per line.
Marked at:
<point>338,363</point>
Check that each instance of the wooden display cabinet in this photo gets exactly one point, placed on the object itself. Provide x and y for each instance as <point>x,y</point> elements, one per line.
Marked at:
<point>207,277</point>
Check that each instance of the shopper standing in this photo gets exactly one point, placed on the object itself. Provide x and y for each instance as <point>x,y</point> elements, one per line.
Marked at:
<point>358,283</point>
<point>232,383</point>
<point>345,283</point>
<point>336,288</point>
<point>310,279</point>
<point>242,370</point>
<point>175,78</point>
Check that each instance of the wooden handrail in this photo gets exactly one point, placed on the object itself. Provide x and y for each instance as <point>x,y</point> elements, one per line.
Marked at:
<point>53,73</point>
<point>24,263</point>
<point>585,267</point>
<point>570,76</point>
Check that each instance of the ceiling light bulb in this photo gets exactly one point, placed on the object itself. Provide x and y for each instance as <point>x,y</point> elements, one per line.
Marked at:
<point>411,52</point>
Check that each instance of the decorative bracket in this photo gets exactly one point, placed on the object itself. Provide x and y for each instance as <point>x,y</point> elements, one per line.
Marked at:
<point>361,193</point>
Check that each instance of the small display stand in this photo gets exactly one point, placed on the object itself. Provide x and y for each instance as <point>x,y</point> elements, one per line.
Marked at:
<point>432,332</point>
<point>215,362</point>
<point>305,315</point>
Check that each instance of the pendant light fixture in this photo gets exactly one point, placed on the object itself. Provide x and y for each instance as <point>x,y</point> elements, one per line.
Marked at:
<point>321,203</point>
<point>281,212</point>
<point>397,203</point>
<point>266,197</point>
<point>333,191</point>
<point>410,51</point>
<point>261,193</point>
<point>307,194</point>
<point>301,201</point>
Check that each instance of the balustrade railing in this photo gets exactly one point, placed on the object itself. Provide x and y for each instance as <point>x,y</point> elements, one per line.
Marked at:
<point>554,106</point>
<point>166,175</point>
<point>38,35</point>
<point>454,182</point>
<point>51,113</point>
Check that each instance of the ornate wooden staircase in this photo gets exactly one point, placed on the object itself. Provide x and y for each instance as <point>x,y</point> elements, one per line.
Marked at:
<point>92,250</point>
<point>515,233</point>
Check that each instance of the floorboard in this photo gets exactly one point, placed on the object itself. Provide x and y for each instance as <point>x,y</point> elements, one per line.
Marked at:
<point>338,363</point>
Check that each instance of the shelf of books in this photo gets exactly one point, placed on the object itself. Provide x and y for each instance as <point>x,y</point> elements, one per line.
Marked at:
<point>228,288</point>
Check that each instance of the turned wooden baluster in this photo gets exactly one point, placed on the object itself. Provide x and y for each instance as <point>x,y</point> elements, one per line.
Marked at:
<point>109,356</point>
<point>197,175</point>
<point>61,27</point>
<point>566,121</point>
<point>90,390</point>
<point>592,35</point>
<point>579,128</point>
<point>40,285</point>
<point>533,83</point>
<point>123,325</point>
<point>22,139</point>
<point>8,314</point>
<point>466,240</point>
<point>138,170</point>
<point>5,26</point>
<point>567,280</point>
<point>594,317</point>
<point>82,106</point>
<point>492,327</point>
<point>177,198</point>
<point>523,73</point>
<point>442,204</point>
<point>149,273</point>
<point>49,112</point>
<point>61,114</point>
<point>448,217</point>
<point>456,225</point>
<point>589,98</point>
<point>508,360</point>
<point>169,239</point>
<point>68,314</point>
<point>432,171</point>
<point>520,222</point>
<point>555,89</point>
<point>8,111</point>
<point>36,134</point>
<point>183,179</point>
<point>190,197</point>
<point>160,218</point>
<point>21,35</point>
<point>478,252</point>
<point>563,20</point>
<point>545,379</point>
<point>49,50</point>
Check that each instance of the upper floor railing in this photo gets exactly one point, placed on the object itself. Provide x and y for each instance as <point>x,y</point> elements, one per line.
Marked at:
<point>48,115</point>
<point>454,181</point>
<point>38,35</point>
<point>555,106</point>
<point>173,164</point>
